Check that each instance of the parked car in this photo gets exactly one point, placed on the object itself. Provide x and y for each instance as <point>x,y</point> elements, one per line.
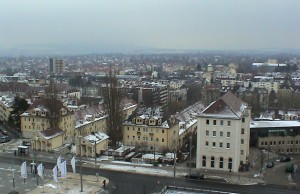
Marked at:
<point>270,165</point>
<point>285,159</point>
<point>4,139</point>
<point>195,176</point>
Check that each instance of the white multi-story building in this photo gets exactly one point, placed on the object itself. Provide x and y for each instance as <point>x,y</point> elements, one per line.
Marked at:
<point>223,134</point>
<point>265,82</point>
<point>56,66</point>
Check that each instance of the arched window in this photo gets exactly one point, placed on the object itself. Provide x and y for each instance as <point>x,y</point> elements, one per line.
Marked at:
<point>204,161</point>
<point>230,164</point>
<point>221,162</point>
<point>212,162</point>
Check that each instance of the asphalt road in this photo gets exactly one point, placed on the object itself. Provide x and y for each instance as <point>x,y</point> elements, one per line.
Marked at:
<point>121,182</point>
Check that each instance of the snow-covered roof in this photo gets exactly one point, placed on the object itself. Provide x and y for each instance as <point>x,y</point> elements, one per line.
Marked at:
<point>98,137</point>
<point>151,156</point>
<point>273,124</point>
<point>228,106</point>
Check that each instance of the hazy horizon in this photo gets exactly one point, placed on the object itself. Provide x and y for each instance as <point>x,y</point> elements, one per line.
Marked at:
<point>114,26</point>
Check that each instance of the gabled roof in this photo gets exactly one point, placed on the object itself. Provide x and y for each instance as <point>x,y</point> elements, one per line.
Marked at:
<point>51,133</point>
<point>228,106</point>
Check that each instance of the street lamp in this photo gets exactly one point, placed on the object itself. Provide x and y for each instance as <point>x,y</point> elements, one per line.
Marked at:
<point>80,166</point>
<point>191,154</point>
<point>95,150</point>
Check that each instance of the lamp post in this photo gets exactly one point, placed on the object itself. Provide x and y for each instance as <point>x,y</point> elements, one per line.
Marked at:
<point>191,154</point>
<point>80,165</point>
<point>95,151</point>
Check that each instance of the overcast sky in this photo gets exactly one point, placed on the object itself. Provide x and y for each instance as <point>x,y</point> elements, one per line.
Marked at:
<point>162,24</point>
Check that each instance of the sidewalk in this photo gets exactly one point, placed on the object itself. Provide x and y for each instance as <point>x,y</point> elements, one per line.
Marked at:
<point>71,184</point>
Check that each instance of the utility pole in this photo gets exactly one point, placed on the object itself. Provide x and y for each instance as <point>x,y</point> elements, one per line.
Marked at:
<point>95,150</point>
<point>174,163</point>
<point>191,154</point>
<point>81,187</point>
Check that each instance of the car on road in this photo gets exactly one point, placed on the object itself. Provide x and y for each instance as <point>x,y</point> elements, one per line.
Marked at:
<point>270,165</point>
<point>285,159</point>
<point>4,139</point>
<point>194,176</point>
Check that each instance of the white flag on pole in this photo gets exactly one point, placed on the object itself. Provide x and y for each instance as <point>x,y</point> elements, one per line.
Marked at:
<point>73,164</point>
<point>40,170</point>
<point>58,163</point>
<point>55,173</point>
<point>24,170</point>
<point>64,169</point>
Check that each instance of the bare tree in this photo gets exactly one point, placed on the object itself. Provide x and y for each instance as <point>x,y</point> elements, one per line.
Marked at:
<point>53,105</point>
<point>112,98</point>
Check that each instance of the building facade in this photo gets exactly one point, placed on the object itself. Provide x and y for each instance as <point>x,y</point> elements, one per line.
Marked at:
<point>149,132</point>
<point>223,134</point>
<point>281,137</point>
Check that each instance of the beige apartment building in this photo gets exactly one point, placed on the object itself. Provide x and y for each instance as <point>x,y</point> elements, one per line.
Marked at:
<point>36,119</point>
<point>223,134</point>
<point>5,107</point>
<point>146,130</point>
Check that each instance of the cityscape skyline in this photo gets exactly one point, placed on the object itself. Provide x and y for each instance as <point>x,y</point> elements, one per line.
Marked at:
<point>74,27</point>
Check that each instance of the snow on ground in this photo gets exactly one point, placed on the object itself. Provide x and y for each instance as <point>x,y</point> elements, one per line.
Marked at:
<point>71,189</point>
<point>137,168</point>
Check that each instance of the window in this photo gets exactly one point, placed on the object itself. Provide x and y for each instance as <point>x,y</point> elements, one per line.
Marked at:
<point>279,142</point>
<point>228,145</point>
<point>207,121</point>
<point>243,131</point>
<point>132,128</point>
<point>230,164</point>
<point>206,143</point>
<point>228,123</point>
<point>214,133</point>
<point>212,162</point>
<point>221,133</point>
<point>157,139</point>
<point>139,138</point>
<point>151,139</point>
<point>221,122</point>
<point>282,142</point>
<point>127,136</point>
<point>214,144</point>
<point>133,137</point>
<point>270,143</point>
<point>207,133</point>
<point>221,162</point>
<point>162,140</point>
<point>139,129</point>
<point>221,144</point>
<point>243,120</point>
<point>163,131</point>
<point>262,143</point>
<point>242,141</point>
<point>215,122</point>
<point>204,161</point>
<point>242,152</point>
<point>228,134</point>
